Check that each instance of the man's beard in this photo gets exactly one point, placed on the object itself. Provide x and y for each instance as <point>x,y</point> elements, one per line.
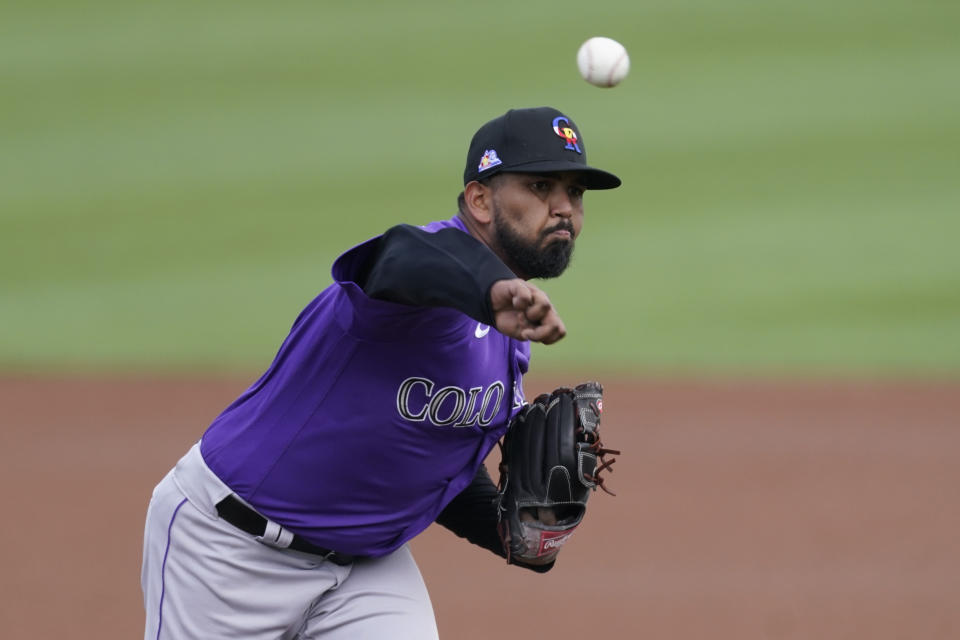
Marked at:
<point>535,260</point>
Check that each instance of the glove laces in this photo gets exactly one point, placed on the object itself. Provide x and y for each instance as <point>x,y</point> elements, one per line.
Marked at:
<point>592,438</point>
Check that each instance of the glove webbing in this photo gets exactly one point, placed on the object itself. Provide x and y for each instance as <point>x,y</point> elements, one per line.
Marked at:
<point>592,438</point>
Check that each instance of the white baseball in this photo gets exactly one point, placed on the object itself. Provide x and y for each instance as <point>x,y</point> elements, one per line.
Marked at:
<point>603,62</point>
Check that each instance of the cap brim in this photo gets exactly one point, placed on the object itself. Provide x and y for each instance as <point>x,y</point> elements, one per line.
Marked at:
<point>593,178</point>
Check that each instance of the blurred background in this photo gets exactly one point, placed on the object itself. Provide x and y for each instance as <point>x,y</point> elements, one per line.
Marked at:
<point>176,179</point>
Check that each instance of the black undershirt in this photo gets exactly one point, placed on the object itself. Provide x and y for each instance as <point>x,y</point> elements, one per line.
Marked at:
<point>447,268</point>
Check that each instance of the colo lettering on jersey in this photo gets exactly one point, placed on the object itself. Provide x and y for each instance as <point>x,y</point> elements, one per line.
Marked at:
<point>448,406</point>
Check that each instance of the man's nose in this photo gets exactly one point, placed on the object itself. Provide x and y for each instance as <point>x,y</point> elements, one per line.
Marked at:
<point>561,203</point>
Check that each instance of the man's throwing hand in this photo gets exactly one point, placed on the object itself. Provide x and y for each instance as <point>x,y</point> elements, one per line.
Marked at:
<point>524,312</point>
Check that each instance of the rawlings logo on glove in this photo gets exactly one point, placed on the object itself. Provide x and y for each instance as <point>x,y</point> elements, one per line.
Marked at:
<point>553,541</point>
<point>551,460</point>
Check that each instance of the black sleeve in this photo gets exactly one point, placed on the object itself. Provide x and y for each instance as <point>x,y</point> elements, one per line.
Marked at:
<point>448,268</point>
<point>473,515</point>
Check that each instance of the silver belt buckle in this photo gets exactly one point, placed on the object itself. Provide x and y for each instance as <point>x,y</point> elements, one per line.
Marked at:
<point>276,536</point>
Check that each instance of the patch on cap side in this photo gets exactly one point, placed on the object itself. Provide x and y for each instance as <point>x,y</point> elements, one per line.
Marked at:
<point>489,160</point>
<point>567,133</point>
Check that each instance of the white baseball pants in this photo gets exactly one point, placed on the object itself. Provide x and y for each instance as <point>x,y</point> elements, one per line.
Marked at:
<point>203,578</point>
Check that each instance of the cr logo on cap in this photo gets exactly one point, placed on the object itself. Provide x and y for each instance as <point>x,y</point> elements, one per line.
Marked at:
<point>490,159</point>
<point>567,133</point>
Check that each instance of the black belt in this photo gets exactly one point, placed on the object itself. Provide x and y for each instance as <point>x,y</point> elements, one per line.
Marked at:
<point>246,519</point>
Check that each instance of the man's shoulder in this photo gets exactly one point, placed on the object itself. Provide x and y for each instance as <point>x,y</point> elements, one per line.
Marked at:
<point>452,223</point>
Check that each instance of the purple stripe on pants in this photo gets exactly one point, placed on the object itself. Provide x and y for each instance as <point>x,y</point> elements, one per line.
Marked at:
<point>163,568</point>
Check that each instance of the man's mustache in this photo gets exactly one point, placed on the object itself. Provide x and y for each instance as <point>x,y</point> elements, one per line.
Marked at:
<point>561,226</point>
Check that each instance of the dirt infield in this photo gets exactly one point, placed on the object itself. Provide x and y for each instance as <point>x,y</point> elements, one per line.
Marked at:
<point>744,510</point>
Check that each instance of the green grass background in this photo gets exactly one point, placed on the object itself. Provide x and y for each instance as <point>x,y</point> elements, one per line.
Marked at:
<point>176,178</point>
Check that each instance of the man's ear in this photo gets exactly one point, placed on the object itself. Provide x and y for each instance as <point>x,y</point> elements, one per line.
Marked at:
<point>479,201</point>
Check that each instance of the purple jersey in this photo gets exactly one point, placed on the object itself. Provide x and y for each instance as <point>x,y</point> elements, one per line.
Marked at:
<point>371,418</point>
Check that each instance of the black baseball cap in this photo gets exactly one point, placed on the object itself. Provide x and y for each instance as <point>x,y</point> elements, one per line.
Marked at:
<point>538,140</point>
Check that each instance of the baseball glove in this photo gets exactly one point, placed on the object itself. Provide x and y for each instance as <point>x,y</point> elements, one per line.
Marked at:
<point>551,460</point>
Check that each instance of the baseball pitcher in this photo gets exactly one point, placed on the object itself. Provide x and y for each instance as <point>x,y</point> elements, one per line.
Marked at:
<point>290,517</point>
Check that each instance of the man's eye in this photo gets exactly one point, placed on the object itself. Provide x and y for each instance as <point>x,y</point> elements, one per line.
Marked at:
<point>576,192</point>
<point>541,185</point>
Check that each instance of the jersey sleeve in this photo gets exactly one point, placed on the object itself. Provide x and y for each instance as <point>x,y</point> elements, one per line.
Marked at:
<point>473,515</point>
<point>446,268</point>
